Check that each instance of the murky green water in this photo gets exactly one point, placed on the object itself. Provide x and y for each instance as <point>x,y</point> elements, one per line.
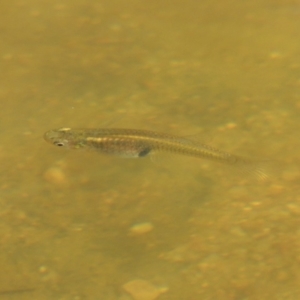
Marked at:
<point>79,225</point>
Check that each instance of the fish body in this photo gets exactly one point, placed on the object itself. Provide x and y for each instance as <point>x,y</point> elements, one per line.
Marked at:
<point>139,143</point>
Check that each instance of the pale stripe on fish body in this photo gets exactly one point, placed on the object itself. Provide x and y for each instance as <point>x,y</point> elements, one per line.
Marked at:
<point>140,143</point>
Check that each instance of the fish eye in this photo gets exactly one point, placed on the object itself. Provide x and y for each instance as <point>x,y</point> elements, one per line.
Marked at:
<point>59,144</point>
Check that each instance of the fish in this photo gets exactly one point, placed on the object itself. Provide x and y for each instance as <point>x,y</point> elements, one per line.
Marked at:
<point>136,143</point>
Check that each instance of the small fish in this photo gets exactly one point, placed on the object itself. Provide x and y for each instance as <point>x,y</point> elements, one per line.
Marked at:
<point>140,143</point>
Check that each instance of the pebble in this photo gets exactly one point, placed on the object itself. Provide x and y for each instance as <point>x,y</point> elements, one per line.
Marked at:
<point>141,228</point>
<point>294,209</point>
<point>276,189</point>
<point>56,176</point>
<point>141,289</point>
